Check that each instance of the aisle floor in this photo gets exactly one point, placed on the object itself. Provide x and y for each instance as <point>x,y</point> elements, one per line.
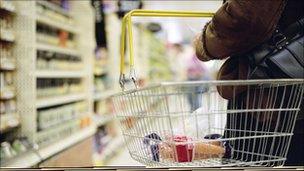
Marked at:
<point>123,159</point>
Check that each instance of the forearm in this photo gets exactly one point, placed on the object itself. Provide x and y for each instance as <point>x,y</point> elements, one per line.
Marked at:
<point>238,26</point>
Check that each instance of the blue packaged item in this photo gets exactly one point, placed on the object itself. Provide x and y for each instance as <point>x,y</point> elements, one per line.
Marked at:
<point>149,140</point>
<point>213,136</point>
<point>228,150</point>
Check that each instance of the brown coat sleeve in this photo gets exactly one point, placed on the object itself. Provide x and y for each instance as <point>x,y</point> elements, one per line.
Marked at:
<point>238,26</point>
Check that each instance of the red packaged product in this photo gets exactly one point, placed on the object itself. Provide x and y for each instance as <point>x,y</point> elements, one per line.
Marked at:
<point>184,148</point>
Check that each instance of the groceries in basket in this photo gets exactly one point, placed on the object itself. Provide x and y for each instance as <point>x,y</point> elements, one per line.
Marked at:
<point>152,140</point>
<point>177,148</point>
<point>181,148</point>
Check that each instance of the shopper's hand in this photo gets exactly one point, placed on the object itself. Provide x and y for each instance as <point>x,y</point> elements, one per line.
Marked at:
<point>199,48</point>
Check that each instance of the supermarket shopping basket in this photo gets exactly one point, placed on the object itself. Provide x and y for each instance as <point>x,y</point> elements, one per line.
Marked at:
<point>190,124</point>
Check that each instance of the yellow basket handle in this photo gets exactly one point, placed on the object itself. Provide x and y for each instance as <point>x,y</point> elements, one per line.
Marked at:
<point>127,25</point>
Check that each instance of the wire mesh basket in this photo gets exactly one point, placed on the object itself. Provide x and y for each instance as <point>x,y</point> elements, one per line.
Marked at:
<point>190,124</point>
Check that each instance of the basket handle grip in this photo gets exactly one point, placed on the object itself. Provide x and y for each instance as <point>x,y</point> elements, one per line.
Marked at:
<point>127,26</point>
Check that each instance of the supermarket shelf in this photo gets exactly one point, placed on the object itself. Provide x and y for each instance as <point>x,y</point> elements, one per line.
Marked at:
<point>102,119</point>
<point>25,160</point>
<point>103,95</point>
<point>51,101</point>
<point>66,142</point>
<point>57,49</point>
<point>64,26</point>
<point>31,158</point>
<point>59,74</point>
<point>54,7</point>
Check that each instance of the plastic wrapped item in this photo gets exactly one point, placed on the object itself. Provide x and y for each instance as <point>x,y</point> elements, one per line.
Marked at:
<point>184,149</point>
<point>178,148</point>
<point>225,144</point>
<point>207,150</point>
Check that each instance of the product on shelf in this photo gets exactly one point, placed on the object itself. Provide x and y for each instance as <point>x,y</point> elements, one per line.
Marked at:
<point>7,151</point>
<point>52,116</point>
<point>7,5</point>
<point>103,111</point>
<point>101,83</point>
<point>101,61</point>
<point>52,87</point>
<point>102,79</point>
<point>54,36</point>
<point>9,120</point>
<point>7,90</point>
<point>5,51</point>
<point>61,131</point>
<point>103,106</point>
<point>11,149</point>
<point>18,146</point>
<point>7,64</point>
<point>6,31</point>
<point>56,13</point>
<point>9,106</point>
<point>56,61</point>
<point>85,121</point>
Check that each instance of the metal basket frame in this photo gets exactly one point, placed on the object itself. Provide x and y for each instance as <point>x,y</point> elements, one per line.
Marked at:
<point>162,107</point>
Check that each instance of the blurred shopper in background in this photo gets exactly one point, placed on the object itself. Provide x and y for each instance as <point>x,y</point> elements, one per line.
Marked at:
<point>176,53</point>
<point>240,26</point>
<point>196,71</point>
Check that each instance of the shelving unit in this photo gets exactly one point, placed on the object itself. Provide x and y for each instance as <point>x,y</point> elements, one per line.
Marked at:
<point>27,75</point>
<point>51,23</point>
<point>103,95</point>
<point>53,101</point>
<point>55,8</point>
<point>59,74</point>
<point>66,142</point>
<point>33,157</point>
<point>105,70</point>
<point>41,46</point>
<point>102,120</point>
<point>9,116</point>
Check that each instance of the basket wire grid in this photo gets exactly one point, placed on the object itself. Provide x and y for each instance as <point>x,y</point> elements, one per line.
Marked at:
<point>255,126</point>
<point>190,124</point>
